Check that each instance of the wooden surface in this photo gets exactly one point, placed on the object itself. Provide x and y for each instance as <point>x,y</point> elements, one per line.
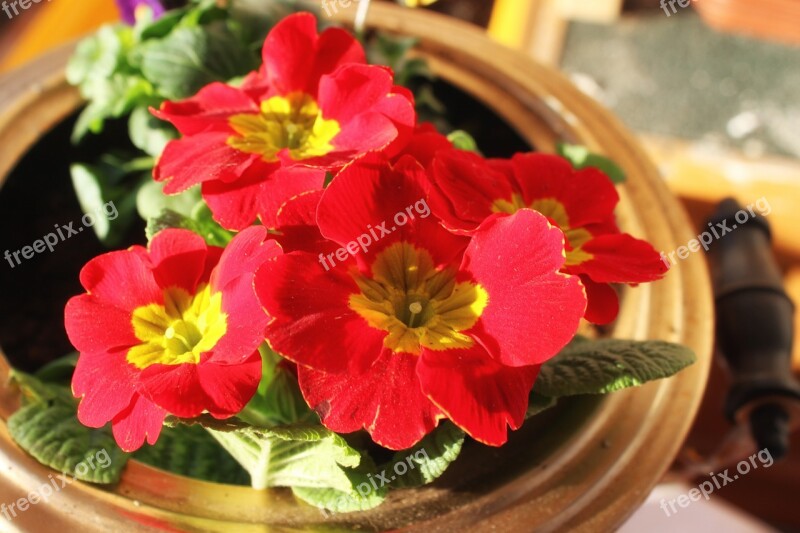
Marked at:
<point>584,467</point>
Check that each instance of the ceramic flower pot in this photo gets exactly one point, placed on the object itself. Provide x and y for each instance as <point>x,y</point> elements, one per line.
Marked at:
<point>583,466</point>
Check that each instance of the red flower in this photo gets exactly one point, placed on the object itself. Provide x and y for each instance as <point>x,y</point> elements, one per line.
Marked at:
<point>173,329</point>
<point>312,108</point>
<point>467,190</point>
<point>419,323</point>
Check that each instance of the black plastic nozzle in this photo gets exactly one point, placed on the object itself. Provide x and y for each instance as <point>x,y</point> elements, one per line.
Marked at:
<point>754,326</point>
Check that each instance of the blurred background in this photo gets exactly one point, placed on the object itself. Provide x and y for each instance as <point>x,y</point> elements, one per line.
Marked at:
<point>713,92</point>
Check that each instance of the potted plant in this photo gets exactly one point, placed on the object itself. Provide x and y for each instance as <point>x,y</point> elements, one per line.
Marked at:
<point>244,378</point>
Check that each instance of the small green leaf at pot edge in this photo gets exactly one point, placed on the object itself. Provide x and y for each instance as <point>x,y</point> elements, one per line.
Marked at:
<point>46,427</point>
<point>581,158</point>
<point>608,365</point>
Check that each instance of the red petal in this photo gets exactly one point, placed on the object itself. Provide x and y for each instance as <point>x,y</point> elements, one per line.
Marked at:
<point>201,158</point>
<point>235,277</point>
<point>106,384</point>
<point>588,195</point>
<point>603,304</point>
<point>386,401</point>
<point>179,259</point>
<point>479,395</point>
<point>620,259</point>
<point>94,327</point>
<point>533,310</point>
<point>208,110</point>
<point>464,188</point>
<point>425,143</point>
<point>235,205</point>
<point>295,57</point>
<point>121,279</point>
<point>284,184</point>
<point>297,226</point>
<point>141,420</point>
<point>313,324</point>
<point>188,390</point>
<point>374,195</point>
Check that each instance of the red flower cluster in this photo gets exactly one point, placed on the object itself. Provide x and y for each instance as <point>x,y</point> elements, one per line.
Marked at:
<point>449,312</point>
<point>312,108</point>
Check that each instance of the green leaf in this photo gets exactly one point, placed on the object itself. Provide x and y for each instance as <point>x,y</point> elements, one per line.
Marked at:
<point>60,370</point>
<point>151,202</point>
<point>369,491</point>
<point>426,461</point>
<point>581,158</point>
<point>191,57</point>
<point>292,456</point>
<point>148,133</point>
<point>147,28</point>
<point>463,141</point>
<point>191,451</point>
<point>110,208</point>
<point>200,222</point>
<point>46,426</point>
<point>608,365</point>
<point>111,97</point>
<point>98,56</point>
<point>538,403</point>
<point>278,400</point>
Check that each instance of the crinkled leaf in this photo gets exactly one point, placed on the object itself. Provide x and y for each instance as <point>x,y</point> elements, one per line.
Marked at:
<point>293,456</point>
<point>100,55</point>
<point>151,202</point>
<point>192,57</point>
<point>581,157</point>
<point>111,97</point>
<point>426,461</point>
<point>46,426</point>
<point>191,451</point>
<point>60,370</point>
<point>200,222</point>
<point>109,206</point>
<point>148,133</point>
<point>367,494</point>
<point>538,403</point>
<point>608,365</point>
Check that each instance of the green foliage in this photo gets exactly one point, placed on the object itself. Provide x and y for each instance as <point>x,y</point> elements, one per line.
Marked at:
<point>199,221</point>
<point>428,459</point>
<point>46,426</point>
<point>608,365</point>
<point>98,187</point>
<point>581,158</point>
<point>193,452</point>
<point>463,141</point>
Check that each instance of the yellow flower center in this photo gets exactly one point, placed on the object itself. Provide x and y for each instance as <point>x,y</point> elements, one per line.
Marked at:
<point>178,331</point>
<point>293,122</point>
<point>555,211</point>
<point>417,304</point>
